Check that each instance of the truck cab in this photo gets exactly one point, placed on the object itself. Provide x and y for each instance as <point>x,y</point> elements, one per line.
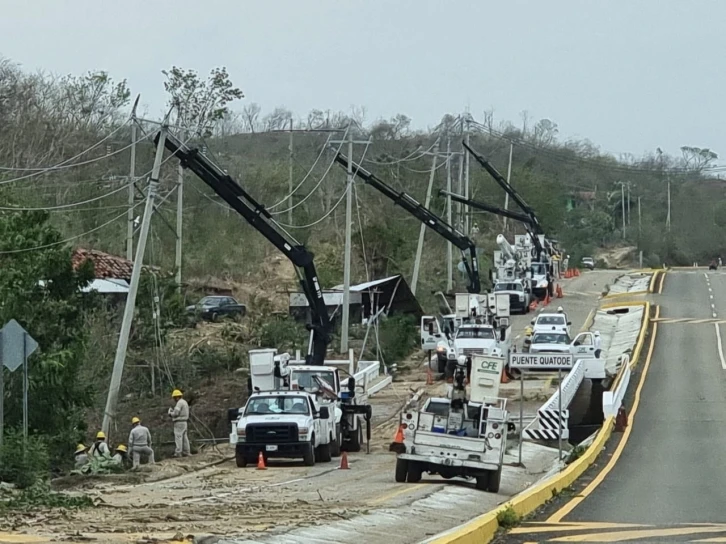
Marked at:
<point>482,339</point>
<point>282,424</point>
<point>517,292</point>
<point>551,322</point>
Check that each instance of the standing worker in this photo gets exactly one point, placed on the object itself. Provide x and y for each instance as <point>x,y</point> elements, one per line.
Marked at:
<point>597,344</point>
<point>180,416</point>
<point>140,443</point>
<point>100,448</point>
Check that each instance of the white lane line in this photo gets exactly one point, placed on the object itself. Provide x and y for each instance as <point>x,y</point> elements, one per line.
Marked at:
<point>720,347</point>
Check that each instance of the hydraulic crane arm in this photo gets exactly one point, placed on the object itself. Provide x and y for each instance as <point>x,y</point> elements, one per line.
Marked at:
<point>431,220</point>
<point>259,218</point>
<point>504,184</point>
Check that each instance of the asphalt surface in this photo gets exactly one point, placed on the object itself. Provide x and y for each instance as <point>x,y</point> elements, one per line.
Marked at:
<point>669,482</point>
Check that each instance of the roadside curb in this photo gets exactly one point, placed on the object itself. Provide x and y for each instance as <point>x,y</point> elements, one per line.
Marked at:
<point>483,529</point>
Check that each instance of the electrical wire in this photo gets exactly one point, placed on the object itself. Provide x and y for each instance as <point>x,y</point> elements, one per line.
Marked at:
<point>325,145</point>
<point>65,241</point>
<point>337,203</point>
<point>64,206</point>
<point>360,231</point>
<point>407,158</point>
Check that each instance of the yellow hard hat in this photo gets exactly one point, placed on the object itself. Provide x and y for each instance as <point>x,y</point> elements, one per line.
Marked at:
<point>122,448</point>
<point>135,420</point>
<point>100,435</point>
<point>176,393</point>
<point>80,448</point>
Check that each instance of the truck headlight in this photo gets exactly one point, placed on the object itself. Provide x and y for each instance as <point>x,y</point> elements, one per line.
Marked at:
<point>241,434</point>
<point>303,432</point>
<point>521,297</point>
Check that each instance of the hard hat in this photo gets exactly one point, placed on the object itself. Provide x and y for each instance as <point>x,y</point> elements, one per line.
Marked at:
<point>80,448</point>
<point>560,309</point>
<point>461,359</point>
<point>597,333</point>
<point>122,448</point>
<point>135,420</point>
<point>100,435</point>
<point>176,393</point>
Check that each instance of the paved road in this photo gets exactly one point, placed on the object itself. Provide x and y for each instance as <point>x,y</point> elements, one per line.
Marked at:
<point>671,472</point>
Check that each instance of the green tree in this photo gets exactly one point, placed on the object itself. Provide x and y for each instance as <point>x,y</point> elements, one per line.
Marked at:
<point>41,290</point>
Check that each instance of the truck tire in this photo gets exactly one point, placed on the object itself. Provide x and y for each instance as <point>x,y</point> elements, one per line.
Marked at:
<point>401,470</point>
<point>309,455</point>
<point>355,439</point>
<point>495,478</point>
<point>482,481</point>
<point>414,473</point>
<point>240,460</point>
<point>335,443</point>
<point>323,453</point>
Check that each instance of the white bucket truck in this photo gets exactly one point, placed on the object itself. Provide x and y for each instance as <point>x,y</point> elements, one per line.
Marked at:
<point>462,437</point>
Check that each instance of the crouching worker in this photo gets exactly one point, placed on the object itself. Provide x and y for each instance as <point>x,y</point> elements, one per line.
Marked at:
<point>140,443</point>
<point>81,456</point>
<point>121,457</point>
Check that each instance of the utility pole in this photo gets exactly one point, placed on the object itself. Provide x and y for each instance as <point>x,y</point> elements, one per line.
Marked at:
<point>466,177</point>
<point>132,184</point>
<point>509,181</point>
<point>422,232</point>
<point>622,204</point>
<point>346,265</point>
<point>629,223</point>
<point>639,221</point>
<point>289,180</point>
<point>123,339</point>
<point>179,224</point>
<point>668,217</point>
<point>449,247</point>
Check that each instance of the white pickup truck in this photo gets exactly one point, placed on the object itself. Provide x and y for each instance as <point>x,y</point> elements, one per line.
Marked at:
<point>286,424</point>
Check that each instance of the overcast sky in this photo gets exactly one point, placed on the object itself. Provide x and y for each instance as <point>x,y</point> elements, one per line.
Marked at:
<point>630,75</point>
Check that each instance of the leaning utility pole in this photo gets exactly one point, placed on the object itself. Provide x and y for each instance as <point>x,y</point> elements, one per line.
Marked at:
<point>132,185</point>
<point>289,180</point>
<point>509,181</point>
<point>123,339</point>
<point>179,224</point>
<point>348,225</point>
<point>622,204</point>
<point>466,177</point>
<point>419,249</point>
<point>449,247</point>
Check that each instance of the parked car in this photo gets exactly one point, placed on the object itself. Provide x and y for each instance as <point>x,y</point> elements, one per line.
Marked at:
<point>213,308</point>
<point>551,322</point>
<point>588,262</point>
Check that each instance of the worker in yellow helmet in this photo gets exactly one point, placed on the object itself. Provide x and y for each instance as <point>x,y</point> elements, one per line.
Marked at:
<point>81,455</point>
<point>140,443</point>
<point>180,416</point>
<point>100,448</point>
<point>120,458</point>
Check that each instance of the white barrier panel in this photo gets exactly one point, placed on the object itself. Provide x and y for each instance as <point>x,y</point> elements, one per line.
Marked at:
<point>612,400</point>
<point>570,384</point>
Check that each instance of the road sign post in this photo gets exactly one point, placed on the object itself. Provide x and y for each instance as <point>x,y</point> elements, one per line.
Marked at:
<point>16,345</point>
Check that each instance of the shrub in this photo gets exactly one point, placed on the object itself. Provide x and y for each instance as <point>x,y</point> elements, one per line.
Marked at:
<point>23,463</point>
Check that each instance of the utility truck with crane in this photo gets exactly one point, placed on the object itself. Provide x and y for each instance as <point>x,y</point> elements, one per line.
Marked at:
<point>320,327</point>
<point>465,437</point>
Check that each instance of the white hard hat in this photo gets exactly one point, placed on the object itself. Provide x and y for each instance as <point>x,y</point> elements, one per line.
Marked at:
<point>597,333</point>
<point>560,309</point>
<point>462,359</point>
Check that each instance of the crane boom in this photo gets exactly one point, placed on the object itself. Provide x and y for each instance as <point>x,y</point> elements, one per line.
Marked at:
<point>260,219</point>
<point>428,218</point>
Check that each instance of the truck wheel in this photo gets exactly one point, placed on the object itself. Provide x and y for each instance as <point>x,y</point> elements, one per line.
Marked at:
<point>355,440</point>
<point>482,481</point>
<point>309,455</point>
<point>335,443</point>
<point>495,478</point>
<point>323,453</point>
<point>401,470</point>
<point>240,459</point>
<point>414,473</point>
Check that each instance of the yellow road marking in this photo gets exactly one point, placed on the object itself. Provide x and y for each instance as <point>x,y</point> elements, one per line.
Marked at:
<point>565,526</point>
<point>567,508</point>
<point>622,536</point>
<point>395,493</point>
<point>715,539</point>
<point>662,281</point>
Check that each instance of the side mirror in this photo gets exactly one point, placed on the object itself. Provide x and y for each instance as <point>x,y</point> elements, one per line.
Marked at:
<point>569,323</point>
<point>531,322</point>
<point>351,386</point>
<point>431,328</point>
<point>324,412</point>
<point>232,414</point>
<point>576,343</point>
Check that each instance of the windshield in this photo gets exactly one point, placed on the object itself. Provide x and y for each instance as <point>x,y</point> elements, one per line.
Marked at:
<point>508,287</point>
<point>539,269</point>
<point>211,301</point>
<point>476,332</point>
<point>551,320</point>
<point>305,381</point>
<point>550,338</point>
<point>277,405</point>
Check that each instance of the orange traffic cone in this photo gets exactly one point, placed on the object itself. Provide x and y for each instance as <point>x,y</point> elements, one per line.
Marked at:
<point>559,291</point>
<point>504,378</point>
<point>621,420</point>
<point>429,377</point>
<point>261,462</point>
<point>397,445</point>
<point>344,461</point>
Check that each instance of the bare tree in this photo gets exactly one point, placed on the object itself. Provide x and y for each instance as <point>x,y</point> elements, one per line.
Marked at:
<point>250,117</point>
